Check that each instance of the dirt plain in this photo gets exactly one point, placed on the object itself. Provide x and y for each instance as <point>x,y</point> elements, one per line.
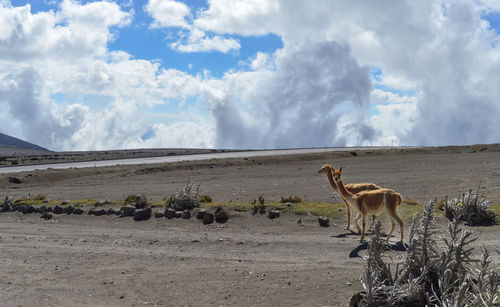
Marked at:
<point>248,261</point>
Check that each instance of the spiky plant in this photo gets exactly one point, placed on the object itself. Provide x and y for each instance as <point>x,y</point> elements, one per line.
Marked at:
<point>429,276</point>
<point>471,208</point>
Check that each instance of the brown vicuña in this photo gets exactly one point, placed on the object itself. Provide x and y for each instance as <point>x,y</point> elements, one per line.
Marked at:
<point>353,188</point>
<point>372,202</point>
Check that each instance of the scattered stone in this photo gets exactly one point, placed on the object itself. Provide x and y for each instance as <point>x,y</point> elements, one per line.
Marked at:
<point>110,211</point>
<point>221,215</point>
<point>28,209</point>
<point>201,213</point>
<point>140,201</point>
<point>42,209</point>
<point>69,210</point>
<point>159,214</point>
<point>178,214</point>
<point>186,214</point>
<point>273,214</point>
<point>142,215</point>
<point>57,209</point>
<point>299,221</point>
<point>46,216</point>
<point>323,221</point>
<point>208,218</point>
<point>97,212</point>
<point>14,180</point>
<point>169,213</point>
<point>49,209</point>
<point>64,203</point>
<point>127,211</point>
<point>5,208</point>
<point>78,211</point>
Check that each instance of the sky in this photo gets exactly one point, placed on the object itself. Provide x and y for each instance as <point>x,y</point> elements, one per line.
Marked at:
<point>249,74</point>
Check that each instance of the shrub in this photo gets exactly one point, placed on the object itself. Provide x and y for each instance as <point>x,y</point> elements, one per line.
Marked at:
<point>205,199</point>
<point>291,199</point>
<point>427,275</point>
<point>184,199</point>
<point>471,208</point>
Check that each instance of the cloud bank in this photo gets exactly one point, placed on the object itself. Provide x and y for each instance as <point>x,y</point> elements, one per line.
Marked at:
<point>349,73</point>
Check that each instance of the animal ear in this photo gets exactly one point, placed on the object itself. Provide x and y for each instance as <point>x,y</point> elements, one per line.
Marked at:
<point>340,169</point>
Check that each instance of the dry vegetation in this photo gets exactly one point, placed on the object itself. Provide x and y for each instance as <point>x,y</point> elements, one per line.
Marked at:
<point>429,274</point>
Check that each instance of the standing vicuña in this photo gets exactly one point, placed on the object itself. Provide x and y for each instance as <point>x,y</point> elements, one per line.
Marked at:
<point>353,188</point>
<point>372,202</point>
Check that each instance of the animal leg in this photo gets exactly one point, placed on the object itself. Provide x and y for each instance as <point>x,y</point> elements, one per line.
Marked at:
<point>356,219</point>
<point>363,229</point>
<point>393,225</point>
<point>348,215</point>
<point>373,221</point>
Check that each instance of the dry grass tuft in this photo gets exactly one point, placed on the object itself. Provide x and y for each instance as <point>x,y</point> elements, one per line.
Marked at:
<point>291,199</point>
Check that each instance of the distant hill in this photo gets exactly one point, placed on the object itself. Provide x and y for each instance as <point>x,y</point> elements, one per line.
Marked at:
<point>9,141</point>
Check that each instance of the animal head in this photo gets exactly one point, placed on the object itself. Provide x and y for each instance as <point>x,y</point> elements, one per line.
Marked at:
<point>337,174</point>
<point>325,169</point>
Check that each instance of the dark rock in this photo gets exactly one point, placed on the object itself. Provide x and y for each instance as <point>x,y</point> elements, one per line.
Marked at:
<point>57,209</point>
<point>169,213</point>
<point>5,208</point>
<point>65,202</point>
<point>50,209</point>
<point>142,215</point>
<point>323,221</point>
<point>14,180</point>
<point>28,209</point>
<point>69,210</point>
<point>46,216</point>
<point>78,211</point>
<point>208,218</point>
<point>178,214</point>
<point>42,209</point>
<point>159,214</point>
<point>201,213</point>
<point>186,214</point>
<point>99,212</point>
<point>36,210</point>
<point>20,208</point>
<point>221,215</point>
<point>127,211</point>
<point>110,211</point>
<point>273,214</point>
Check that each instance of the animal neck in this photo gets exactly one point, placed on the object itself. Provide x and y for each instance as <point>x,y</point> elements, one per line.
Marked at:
<point>329,176</point>
<point>343,191</point>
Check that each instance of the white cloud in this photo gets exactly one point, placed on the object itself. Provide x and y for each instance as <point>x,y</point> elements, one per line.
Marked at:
<point>315,91</point>
<point>168,13</point>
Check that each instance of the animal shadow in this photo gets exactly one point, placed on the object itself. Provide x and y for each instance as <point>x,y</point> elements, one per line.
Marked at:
<point>344,235</point>
<point>399,247</point>
<point>355,252</point>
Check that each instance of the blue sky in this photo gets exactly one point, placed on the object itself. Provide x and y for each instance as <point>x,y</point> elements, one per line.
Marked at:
<point>252,74</point>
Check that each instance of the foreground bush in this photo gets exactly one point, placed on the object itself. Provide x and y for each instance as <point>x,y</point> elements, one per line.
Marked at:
<point>470,208</point>
<point>427,275</point>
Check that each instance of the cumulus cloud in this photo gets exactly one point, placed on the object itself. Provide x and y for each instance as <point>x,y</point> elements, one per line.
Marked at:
<point>295,104</point>
<point>438,63</point>
<point>167,13</point>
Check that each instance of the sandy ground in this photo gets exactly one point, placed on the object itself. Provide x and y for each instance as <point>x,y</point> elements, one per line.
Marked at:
<point>250,260</point>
